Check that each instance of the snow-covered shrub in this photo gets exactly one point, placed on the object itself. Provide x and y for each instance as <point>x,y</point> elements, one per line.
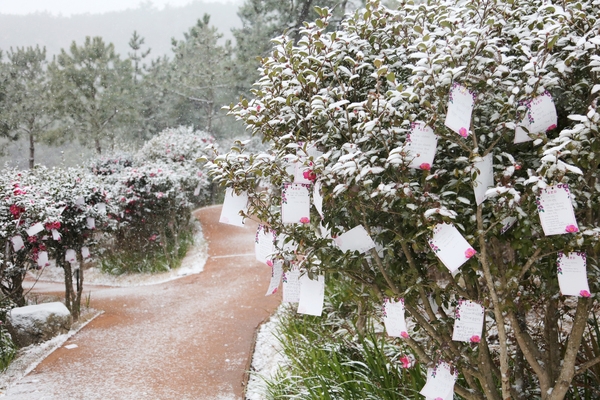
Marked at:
<point>347,107</point>
<point>109,165</point>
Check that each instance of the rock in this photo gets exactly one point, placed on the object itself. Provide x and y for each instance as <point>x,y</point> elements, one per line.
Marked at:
<point>38,323</point>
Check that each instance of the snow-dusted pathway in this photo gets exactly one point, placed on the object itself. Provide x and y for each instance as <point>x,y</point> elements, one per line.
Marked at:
<point>185,339</point>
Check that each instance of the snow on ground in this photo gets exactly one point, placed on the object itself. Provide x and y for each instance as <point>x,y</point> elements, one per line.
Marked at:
<point>267,357</point>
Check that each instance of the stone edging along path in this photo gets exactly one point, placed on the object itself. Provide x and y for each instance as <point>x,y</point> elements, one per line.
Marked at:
<point>190,338</point>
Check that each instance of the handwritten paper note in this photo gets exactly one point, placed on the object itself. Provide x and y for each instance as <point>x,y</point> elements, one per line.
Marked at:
<point>80,201</point>
<point>71,256</point>
<point>90,223</point>
<point>450,246</point>
<point>295,203</point>
<point>484,179</point>
<point>540,117</point>
<point>101,208</point>
<point>264,244</point>
<point>556,211</point>
<point>42,260</point>
<point>35,229</point>
<point>317,198</point>
<point>440,382</point>
<point>232,205</point>
<point>276,275</point>
<point>422,144</point>
<point>17,242</point>
<point>55,235</point>
<point>312,295</point>
<point>572,274</point>
<point>85,252</point>
<point>507,223</point>
<point>356,239</point>
<point>393,318</point>
<point>460,107</point>
<point>291,285</point>
<point>468,322</point>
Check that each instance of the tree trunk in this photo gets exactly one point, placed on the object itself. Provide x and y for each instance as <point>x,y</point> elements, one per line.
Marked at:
<point>98,146</point>
<point>31,151</point>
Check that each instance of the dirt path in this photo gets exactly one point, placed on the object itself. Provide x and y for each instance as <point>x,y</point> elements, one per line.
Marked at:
<point>185,339</point>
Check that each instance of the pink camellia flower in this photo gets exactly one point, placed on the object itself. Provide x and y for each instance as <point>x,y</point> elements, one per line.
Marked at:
<point>159,195</point>
<point>269,263</point>
<point>553,126</point>
<point>463,132</point>
<point>310,175</point>
<point>571,228</point>
<point>304,220</point>
<point>584,293</point>
<point>404,334</point>
<point>470,252</point>
<point>153,238</point>
<point>406,362</point>
<point>258,107</point>
<point>475,339</point>
<point>425,166</point>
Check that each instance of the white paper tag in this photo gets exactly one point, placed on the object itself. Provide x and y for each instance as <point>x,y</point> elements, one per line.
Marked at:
<point>101,208</point>
<point>295,203</point>
<point>468,322</point>
<point>90,223</point>
<point>556,211</point>
<point>85,252</point>
<point>17,242</point>
<point>393,318</point>
<point>276,275</point>
<point>572,274</point>
<point>485,177</point>
<point>264,244</point>
<point>312,295</point>
<point>507,223</point>
<point>421,146</point>
<point>55,235</point>
<point>356,239</point>
<point>291,285</point>
<point>542,114</point>
<point>70,256</point>
<point>440,381</point>
<point>317,198</point>
<point>460,107</point>
<point>42,260</point>
<point>232,205</point>
<point>35,229</point>
<point>80,201</point>
<point>450,246</point>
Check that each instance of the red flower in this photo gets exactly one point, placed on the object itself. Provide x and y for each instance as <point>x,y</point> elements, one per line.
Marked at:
<point>310,175</point>
<point>584,293</point>
<point>463,132</point>
<point>406,362</point>
<point>425,166</point>
<point>475,339</point>
<point>470,252</point>
<point>571,228</point>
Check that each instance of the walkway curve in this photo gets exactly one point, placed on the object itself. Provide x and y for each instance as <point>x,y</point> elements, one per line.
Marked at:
<point>190,338</point>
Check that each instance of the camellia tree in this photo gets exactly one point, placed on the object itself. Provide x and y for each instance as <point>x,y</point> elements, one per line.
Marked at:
<point>459,135</point>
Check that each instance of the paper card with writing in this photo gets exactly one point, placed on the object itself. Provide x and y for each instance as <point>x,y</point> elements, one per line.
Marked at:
<point>542,114</point>
<point>55,235</point>
<point>71,256</point>
<point>291,285</point>
<point>90,223</point>
<point>197,190</point>
<point>232,205</point>
<point>295,203</point>
<point>356,239</point>
<point>468,322</point>
<point>42,260</point>
<point>101,208</point>
<point>507,223</point>
<point>485,177</point>
<point>440,381</point>
<point>276,275</point>
<point>80,201</point>
<point>460,107</point>
<point>393,318</point>
<point>264,244</point>
<point>572,274</point>
<point>521,131</point>
<point>450,246</point>
<point>35,229</point>
<point>17,242</point>
<point>85,252</point>
<point>317,198</point>
<point>312,295</point>
<point>556,211</point>
<point>421,146</point>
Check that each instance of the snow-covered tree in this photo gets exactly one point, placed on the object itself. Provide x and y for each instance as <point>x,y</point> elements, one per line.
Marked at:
<point>501,91</point>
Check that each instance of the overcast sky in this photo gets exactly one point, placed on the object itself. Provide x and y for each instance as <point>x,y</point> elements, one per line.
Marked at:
<point>69,7</point>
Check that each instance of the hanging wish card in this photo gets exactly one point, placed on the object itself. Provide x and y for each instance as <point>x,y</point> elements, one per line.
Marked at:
<point>80,201</point>
<point>291,285</point>
<point>17,242</point>
<point>85,252</point>
<point>421,146</point>
<point>312,295</point>
<point>540,117</point>
<point>35,229</point>
<point>90,223</point>
<point>71,256</point>
<point>42,260</point>
<point>295,203</point>
<point>572,274</point>
<point>440,382</point>
<point>232,205</point>
<point>507,223</point>
<point>485,177</point>
<point>468,322</point>
<point>460,107</point>
<point>276,274</point>
<point>317,198</point>
<point>101,208</point>
<point>393,318</point>
<point>55,235</point>
<point>264,244</point>
<point>356,239</point>
<point>556,211</point>
<point>450,246</point>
